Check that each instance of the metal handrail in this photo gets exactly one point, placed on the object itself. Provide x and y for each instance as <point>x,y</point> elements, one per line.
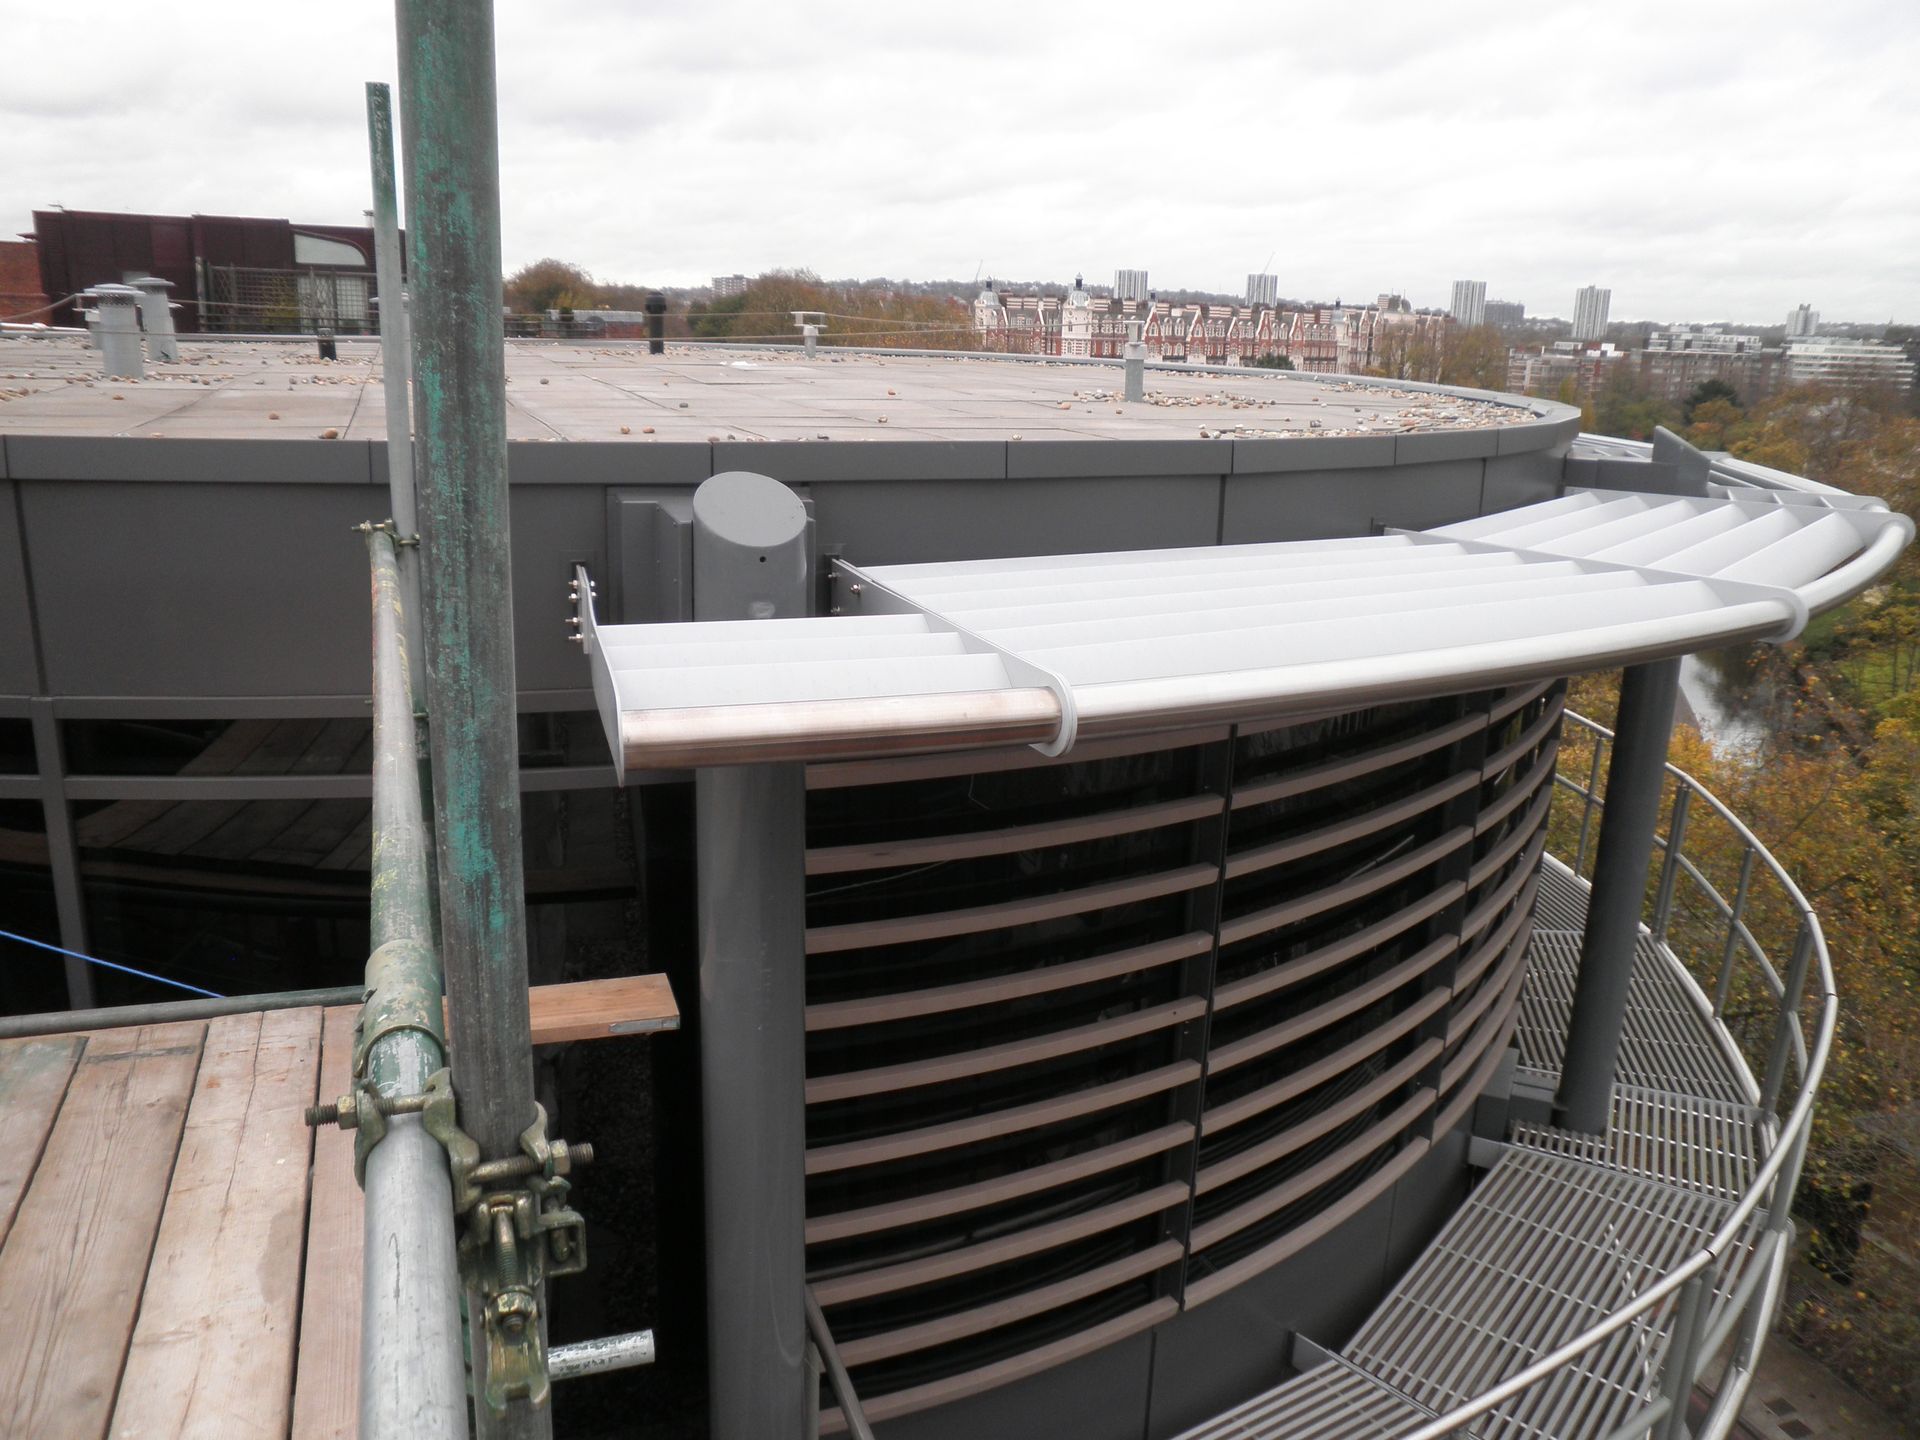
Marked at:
<point>1773,1182</point>
<point>835,1370</point>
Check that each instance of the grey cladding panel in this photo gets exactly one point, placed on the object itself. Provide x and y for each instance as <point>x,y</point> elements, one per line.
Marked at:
<point>649,574</point>
<point>1323,504</point>
<point>1426,1198</point>
<point>1234,1346</point>
<point>17,676</point>
<point>1648,477</point>
<point>1332,452</point>
<point>808,461</point>
<point>135,458</point>
<point>1431,445</point>
<point>1549,434</point>
<point>1525,479</point>
<point>200,589</point>
<point>1050,459</point>
<point>1102,1396</point>
<point>234,590</point>
<point>554,528</point>
<point>608,462</point>
<point>874,523</point>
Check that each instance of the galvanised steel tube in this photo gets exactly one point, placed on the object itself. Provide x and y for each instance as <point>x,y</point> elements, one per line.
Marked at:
<point>1647,693</point>
<point>162,1012</point>
<point>412,1381</point>
<point>452,162</point>
<point>396,361</point>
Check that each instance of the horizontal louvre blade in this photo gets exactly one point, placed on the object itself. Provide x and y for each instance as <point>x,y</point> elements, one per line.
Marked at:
<point>941,999</point>
<point>860,934</point>
<point>887,1079</point>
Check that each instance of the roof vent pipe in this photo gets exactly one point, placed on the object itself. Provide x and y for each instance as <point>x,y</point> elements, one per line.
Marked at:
<point>116,330</point>
<point>156,317</point>
<point>1135,356</point>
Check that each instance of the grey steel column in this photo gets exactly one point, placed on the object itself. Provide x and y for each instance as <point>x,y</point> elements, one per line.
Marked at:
<point>1634,777</point>
<point>750,562</point>
<point>63,857</point>
<point>451,150</point>
<point>396,364</point>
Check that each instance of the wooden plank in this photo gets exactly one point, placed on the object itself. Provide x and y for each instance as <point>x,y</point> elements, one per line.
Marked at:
<point>326,1376</point>
<point>33,1082</point>
<point>595,1009</point>
<point>601,1009</point>
<point>75,1262</point>
<point>212,1352</point>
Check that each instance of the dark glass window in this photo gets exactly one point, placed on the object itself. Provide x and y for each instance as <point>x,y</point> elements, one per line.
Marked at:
<point>338,746</point>
<point>562,737</point>
<point>31,979</point>
<point>16,747</point>
<point>234,897</point>
<point>583,885</point>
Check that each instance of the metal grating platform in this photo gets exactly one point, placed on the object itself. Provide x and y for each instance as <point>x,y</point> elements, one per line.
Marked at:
<point>1666,1044</point>
<point>1562,904</point>
<point>1707,1145</point>
<point>1546,1247</point>
<point>1563,1230</point>
<point>1333,1401</point>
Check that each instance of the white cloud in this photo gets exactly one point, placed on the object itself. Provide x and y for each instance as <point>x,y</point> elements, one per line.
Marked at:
<point>1715,160</point>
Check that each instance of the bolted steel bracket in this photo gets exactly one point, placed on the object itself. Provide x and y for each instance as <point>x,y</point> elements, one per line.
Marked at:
<point>519,1229</point>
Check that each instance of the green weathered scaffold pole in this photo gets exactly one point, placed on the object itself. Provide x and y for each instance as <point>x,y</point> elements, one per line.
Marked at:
<point>452,169</point>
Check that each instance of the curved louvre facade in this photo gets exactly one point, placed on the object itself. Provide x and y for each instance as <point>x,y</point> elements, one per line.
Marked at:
<point>1093,1041</point>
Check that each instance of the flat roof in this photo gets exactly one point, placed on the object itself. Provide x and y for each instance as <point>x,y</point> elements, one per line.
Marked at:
<point>252,389</point>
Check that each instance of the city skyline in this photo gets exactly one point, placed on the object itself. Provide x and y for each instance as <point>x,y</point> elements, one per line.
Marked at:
<point>769,140</point>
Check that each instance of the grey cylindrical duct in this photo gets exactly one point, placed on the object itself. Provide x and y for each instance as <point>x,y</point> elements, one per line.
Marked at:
<point>156,317</point>
<point>116,330</point>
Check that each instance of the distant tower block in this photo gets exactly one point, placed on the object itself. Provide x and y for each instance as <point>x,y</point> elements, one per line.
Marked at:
<point>1263,290</point>
<point>1803,322</point>
<point>1505,314</point>
<point>1590,306</point>
<point>156,317</point>
<point>1129,284</point>
<point>1469,306</point>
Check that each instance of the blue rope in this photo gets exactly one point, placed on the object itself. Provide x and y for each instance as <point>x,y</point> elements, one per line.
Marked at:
<point>110,965</point>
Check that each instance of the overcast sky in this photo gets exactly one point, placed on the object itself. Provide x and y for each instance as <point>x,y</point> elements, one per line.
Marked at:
<point>1704,160</point>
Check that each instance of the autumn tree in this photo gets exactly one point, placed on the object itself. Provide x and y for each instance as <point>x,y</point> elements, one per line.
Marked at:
<point>1712,423</point>
<point>1475,358</point>
<point>1625,408</point>
<point>1712,388</point>
<point>549,284</point>
<point>876,314</point>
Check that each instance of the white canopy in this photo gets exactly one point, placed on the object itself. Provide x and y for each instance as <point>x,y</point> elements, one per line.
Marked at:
<point>1046,649</point>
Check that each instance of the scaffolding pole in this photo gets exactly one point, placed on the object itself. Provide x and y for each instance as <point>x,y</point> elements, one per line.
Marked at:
<point>452,169</point>
<point>396,363</point>
<point>412,1380</point>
